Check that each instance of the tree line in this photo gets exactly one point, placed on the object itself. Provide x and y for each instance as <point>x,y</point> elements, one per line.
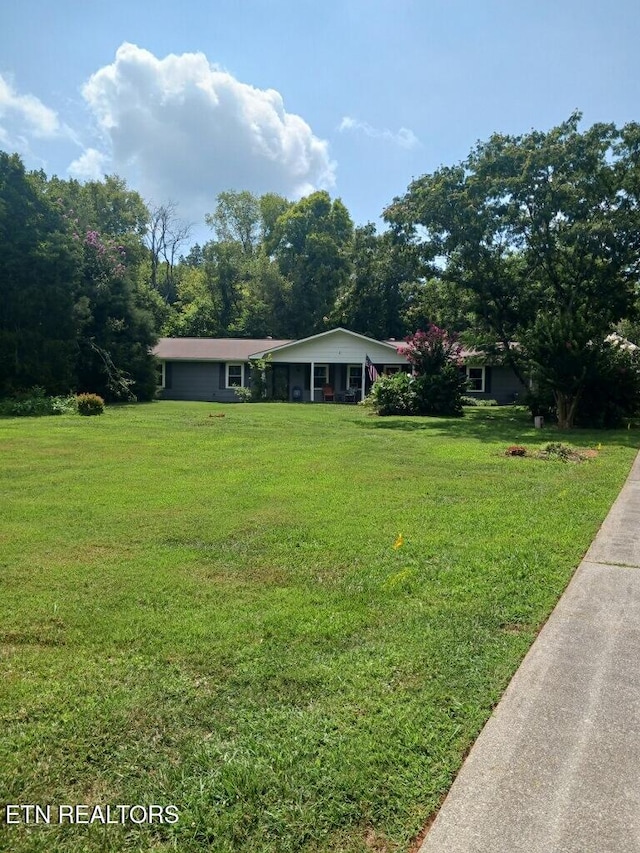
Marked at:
<point>529,249</point>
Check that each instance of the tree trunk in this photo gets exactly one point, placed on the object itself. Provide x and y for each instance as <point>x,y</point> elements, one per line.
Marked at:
<point>566,405</point>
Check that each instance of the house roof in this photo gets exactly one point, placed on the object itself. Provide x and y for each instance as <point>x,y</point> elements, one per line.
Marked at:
<point>284,344</point>
<point>212,349</point>
<point>242,349</point>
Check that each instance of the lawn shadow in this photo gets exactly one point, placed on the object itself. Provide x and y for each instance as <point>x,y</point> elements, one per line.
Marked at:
<point>504,423</point>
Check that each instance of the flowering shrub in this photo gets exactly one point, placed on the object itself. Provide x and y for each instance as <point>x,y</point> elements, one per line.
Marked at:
<point>243,394</point>
<point>436,386</point>
<point>428,352</point>
<point>438,383</point>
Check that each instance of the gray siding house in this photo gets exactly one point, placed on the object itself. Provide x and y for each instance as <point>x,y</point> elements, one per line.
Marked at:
<point>303,370</point>
<point>329,366</point>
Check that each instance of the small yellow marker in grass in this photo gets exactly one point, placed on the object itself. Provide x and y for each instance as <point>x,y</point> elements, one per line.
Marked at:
<point>399,542</point>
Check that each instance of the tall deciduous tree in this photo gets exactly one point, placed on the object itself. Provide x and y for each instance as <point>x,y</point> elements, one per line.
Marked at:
<point>311,241</point>
<point>39,270</point>
<point>165,235</point>
<point>236,219</point>
<point>541,230</point>
<point>70,313</point>
<point>373,301</point>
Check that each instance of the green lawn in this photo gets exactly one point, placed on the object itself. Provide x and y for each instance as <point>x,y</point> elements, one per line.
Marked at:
<point>201,605</point>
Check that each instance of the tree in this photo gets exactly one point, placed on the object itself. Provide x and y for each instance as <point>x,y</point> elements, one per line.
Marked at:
<point>311,241</point>
<point>71,316</point>
<point>436,384</point>
<point>232,286</point>
<point>114,332</point>
<point>165,235</point>
<point>542,231</point>
<point>113,315</point>
<point>38,274</point>
<point>237,219</point>
<point>373,300</point>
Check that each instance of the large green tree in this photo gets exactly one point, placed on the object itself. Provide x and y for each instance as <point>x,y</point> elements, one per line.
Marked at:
<point>373,300</point>
<point>71,316</point>
<point>541,230</point>
<point>231,285</point>
<point>311,241</point>
<point>39,271</point>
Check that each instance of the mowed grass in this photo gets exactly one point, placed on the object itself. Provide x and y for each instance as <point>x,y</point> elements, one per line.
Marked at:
<point>201,605</point>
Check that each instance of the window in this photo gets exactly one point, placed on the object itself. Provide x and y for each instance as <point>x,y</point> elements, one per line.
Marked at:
<point>235,375</point>
<point>320,375</point>
<point>390,369</point>
<point>475,378</point>
<point>354,376</point>
<point>161,374</point>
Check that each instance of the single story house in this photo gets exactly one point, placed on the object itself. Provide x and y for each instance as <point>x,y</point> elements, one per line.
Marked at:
<point>335,365</point>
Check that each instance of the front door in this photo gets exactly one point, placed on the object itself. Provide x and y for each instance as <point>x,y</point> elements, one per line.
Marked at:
<point>281,382</point>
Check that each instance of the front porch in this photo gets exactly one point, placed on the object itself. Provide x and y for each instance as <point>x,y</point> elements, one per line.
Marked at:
<point>332,383</point>
<point>292,382</point>
<point>341,362</point>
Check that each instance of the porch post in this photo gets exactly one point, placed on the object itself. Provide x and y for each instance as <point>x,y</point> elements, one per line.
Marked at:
<point>311,382</point>
<point>364,373</point>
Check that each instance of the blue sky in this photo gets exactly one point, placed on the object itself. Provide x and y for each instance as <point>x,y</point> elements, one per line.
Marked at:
<point>354,96</point>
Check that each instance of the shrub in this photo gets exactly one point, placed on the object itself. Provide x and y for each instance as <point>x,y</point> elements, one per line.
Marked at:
<point>243,394</point>
<point>90,404</point>
<point>36,403</point>
<point>439,383</point>
<point>393,395</point>
<point>477,401</point>
<point>612,394</point>
<point>558,450</point>
<point>440,393</point>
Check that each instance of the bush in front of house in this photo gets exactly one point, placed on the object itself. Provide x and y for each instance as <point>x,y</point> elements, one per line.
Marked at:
<point>440,393</point>
<point>90,404</point>
<point>393,395</point>
<point>437,384</point>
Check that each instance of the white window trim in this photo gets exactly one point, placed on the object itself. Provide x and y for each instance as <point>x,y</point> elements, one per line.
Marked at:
<point>481,367</point>
<point>357,368</point>
<point>324,381</point>
<point>163,374</point>
<point>394,368</point>
<point>229,364</point>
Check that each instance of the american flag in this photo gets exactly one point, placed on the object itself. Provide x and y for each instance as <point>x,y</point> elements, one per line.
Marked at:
<point>371,370</point>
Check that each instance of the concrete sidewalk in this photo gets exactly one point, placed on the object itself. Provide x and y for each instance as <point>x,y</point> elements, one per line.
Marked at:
<point>556,769</point>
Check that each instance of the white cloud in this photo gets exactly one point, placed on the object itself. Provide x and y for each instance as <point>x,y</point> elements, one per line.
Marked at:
<point>183,129</point>
<point>22,113</point>
<point>404,137</point>
<point>89,166</point>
